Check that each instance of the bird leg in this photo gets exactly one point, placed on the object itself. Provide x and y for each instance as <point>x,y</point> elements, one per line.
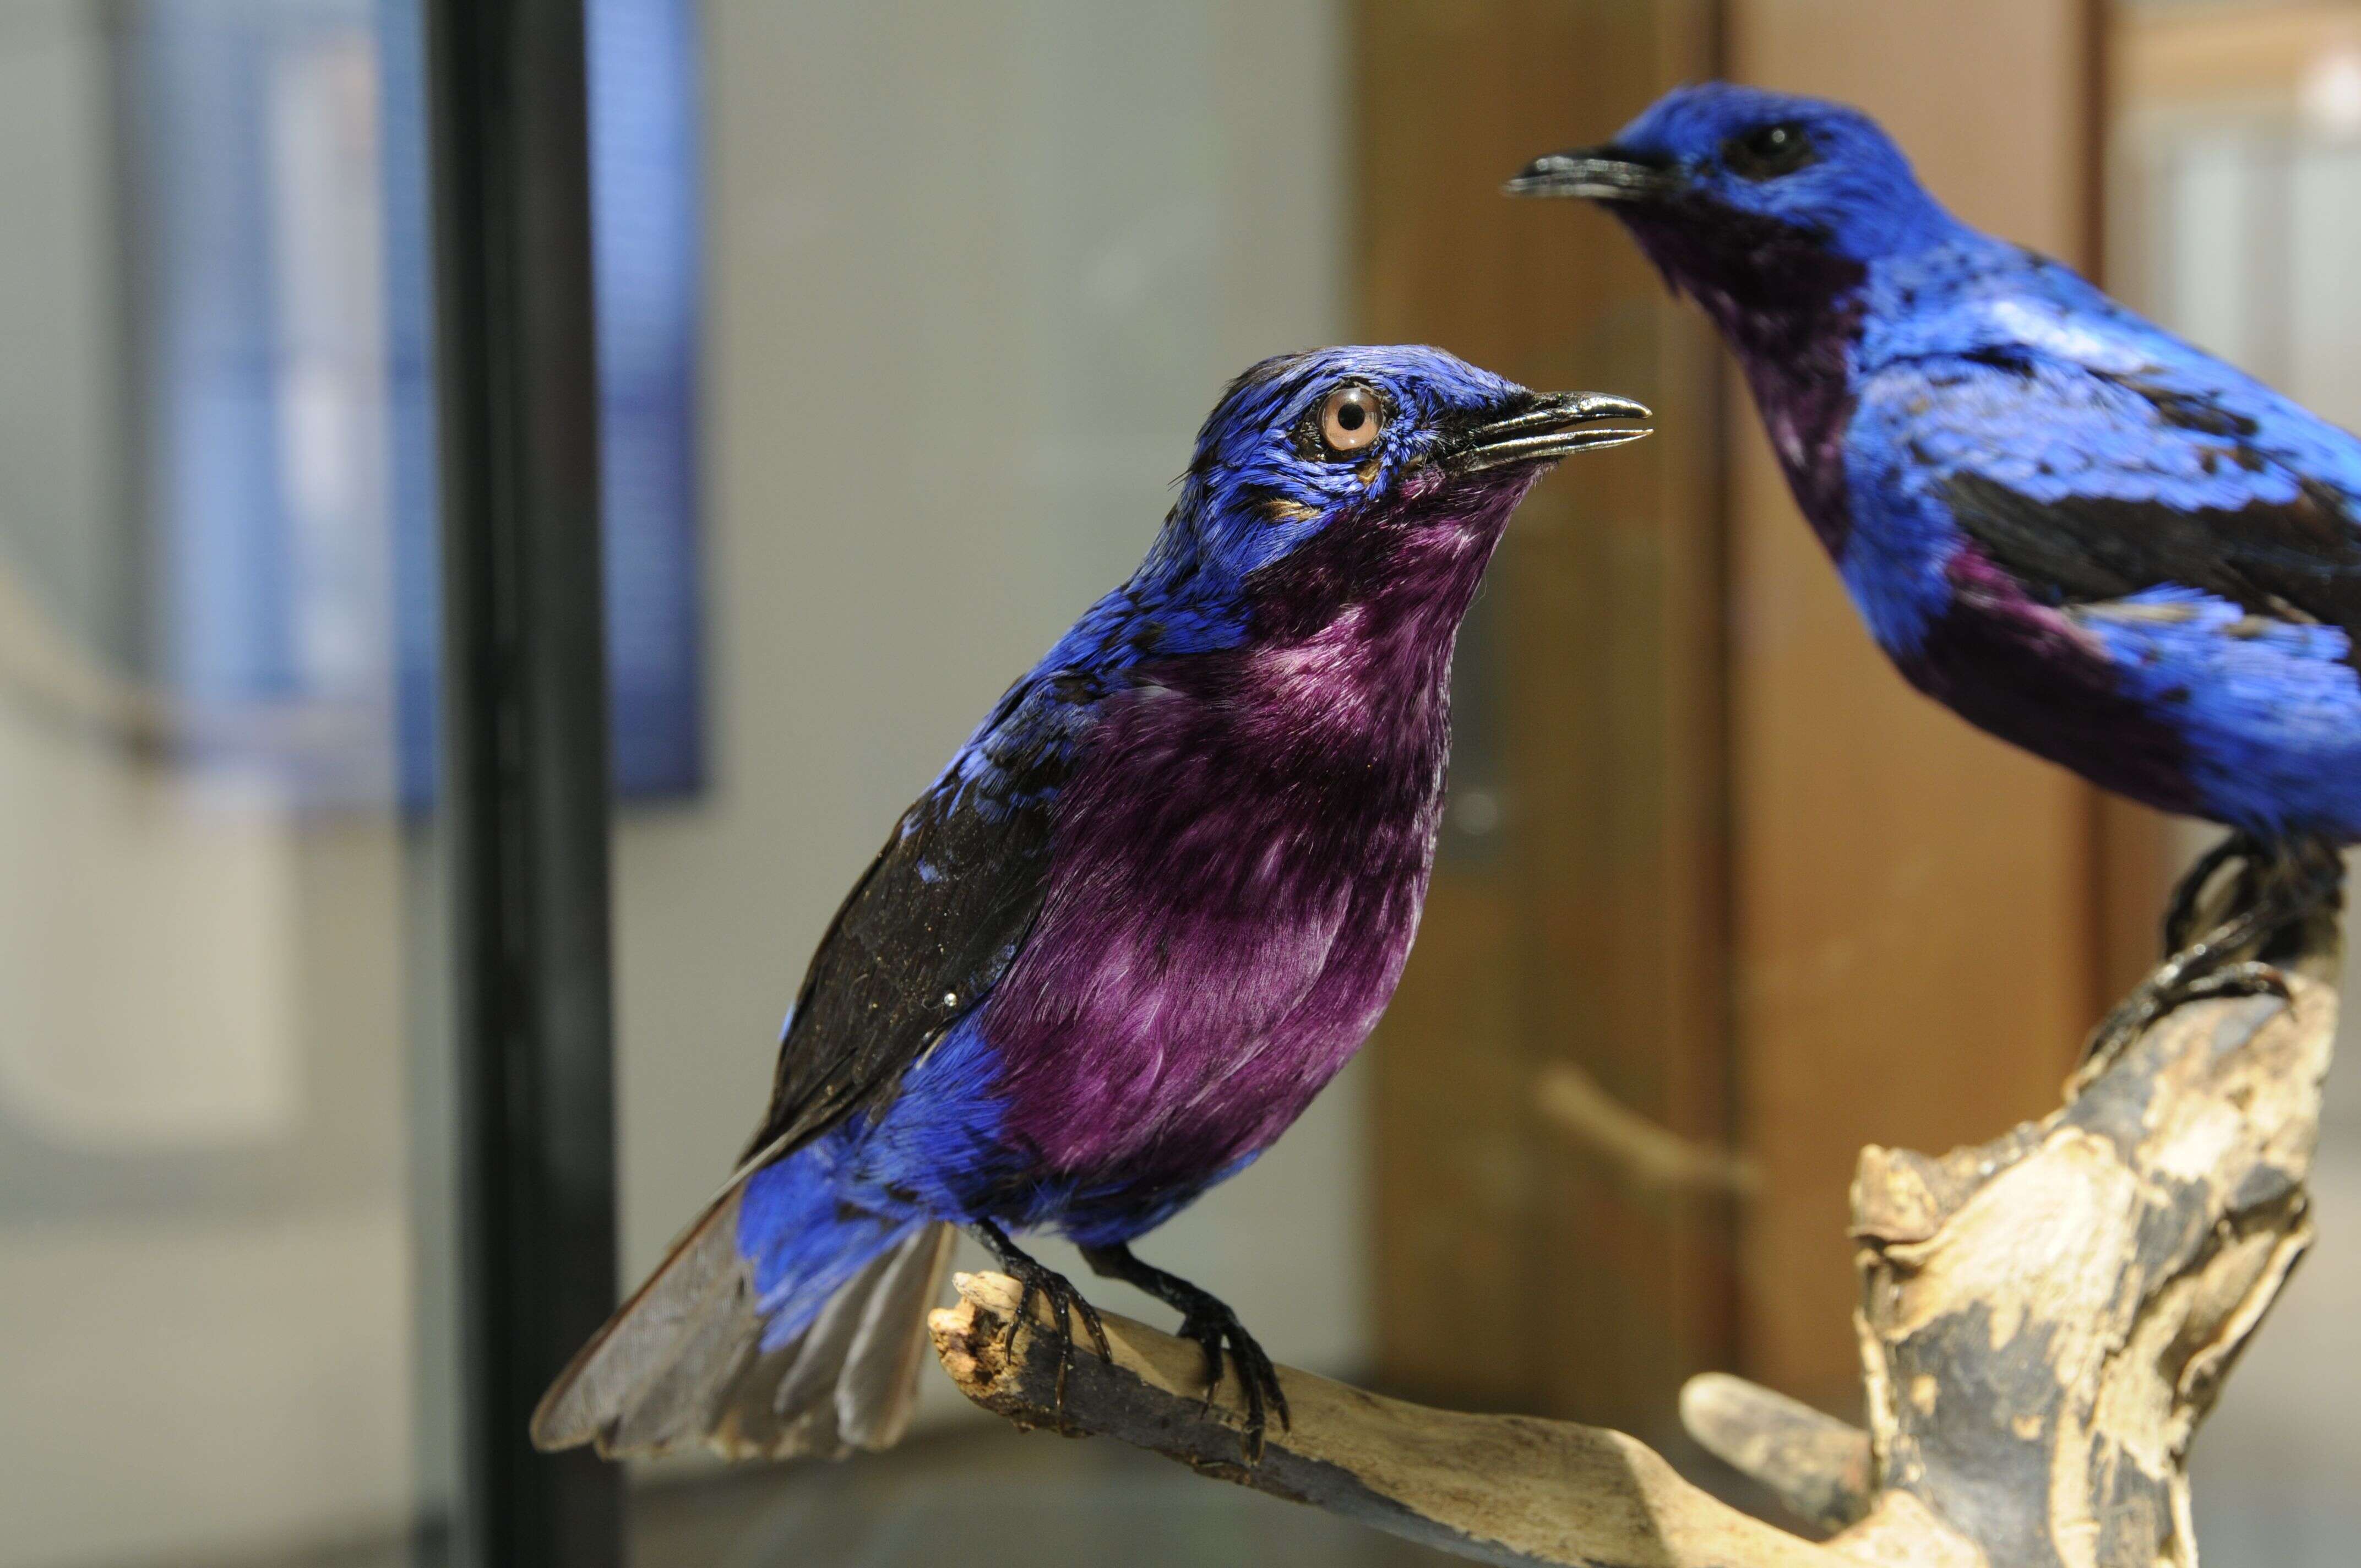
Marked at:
<point>2205,968</point>
<point>2317,874</point>
<point>2280,886</point>
<point>1206,1318</point>
<point>1036,1278</point>
<point>2181,912</point>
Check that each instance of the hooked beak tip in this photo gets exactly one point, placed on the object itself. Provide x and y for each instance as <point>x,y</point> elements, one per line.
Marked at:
<point>1607,405</point>
<point>1552,427</point>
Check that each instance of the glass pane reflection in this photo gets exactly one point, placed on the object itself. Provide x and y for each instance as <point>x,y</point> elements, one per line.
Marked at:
<point>214,948</point>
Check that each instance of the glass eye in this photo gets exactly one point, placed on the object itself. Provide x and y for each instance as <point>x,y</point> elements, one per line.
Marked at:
<point>1768,151</point>
<point>1351,419</point>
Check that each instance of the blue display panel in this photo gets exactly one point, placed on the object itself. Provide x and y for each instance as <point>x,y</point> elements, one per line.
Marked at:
<point>280,324</point>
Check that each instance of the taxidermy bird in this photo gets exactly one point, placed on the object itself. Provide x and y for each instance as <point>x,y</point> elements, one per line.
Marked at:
<point>1149,908</point>
<point>2080,532</point>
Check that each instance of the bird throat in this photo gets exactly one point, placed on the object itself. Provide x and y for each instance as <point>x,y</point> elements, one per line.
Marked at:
<point>1351,636</point>
<point>1790,309</point>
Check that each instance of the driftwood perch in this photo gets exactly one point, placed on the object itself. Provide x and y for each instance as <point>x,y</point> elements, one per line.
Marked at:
<point>2044,1322</point>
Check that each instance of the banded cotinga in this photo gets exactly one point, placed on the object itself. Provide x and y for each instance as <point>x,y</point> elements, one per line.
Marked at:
<point>1149,909</point>
<point>2075,530</point>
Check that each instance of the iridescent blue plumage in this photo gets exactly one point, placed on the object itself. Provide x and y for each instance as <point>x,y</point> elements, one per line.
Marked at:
<point>2080,533</point>
<point>1145,912</point>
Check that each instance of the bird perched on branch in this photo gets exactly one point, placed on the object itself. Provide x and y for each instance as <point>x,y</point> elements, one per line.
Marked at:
<point>2080,532</point>
<point>1149,908</point>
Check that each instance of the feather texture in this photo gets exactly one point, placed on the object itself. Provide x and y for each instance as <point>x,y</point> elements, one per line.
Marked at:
<point>685,1363</point>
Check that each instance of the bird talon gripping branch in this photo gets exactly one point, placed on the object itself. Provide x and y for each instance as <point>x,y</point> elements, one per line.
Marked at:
<point>1216,1329</point>
<point>1152,906</point>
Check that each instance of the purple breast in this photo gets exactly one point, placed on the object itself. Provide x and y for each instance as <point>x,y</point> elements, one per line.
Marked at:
<point>1238,868</point>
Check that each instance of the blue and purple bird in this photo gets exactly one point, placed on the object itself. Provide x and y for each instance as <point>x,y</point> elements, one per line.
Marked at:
<point>1151,907</point>
<point>2078,532</point>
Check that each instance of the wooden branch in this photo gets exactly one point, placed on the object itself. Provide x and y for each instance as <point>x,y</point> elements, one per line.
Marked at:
<point>2046,1318</point>
<point>1640,1155</point>
<point>1503,1489</point>
<point>1822,1468</point>
<point>2044,1322</point>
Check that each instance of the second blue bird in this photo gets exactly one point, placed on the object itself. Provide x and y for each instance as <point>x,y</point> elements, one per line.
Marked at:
<point>2077,531</point>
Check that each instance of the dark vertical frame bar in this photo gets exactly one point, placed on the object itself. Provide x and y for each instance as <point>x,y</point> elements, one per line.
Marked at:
<point>526,764</point>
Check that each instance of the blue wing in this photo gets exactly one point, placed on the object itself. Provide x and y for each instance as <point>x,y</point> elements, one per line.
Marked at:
<point>934,923</point>
<point>2194,524</point>
<point>715,1345</point>
<point>2095,457</point>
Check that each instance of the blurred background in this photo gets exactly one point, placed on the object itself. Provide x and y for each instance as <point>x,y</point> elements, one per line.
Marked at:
<point>907,314</point>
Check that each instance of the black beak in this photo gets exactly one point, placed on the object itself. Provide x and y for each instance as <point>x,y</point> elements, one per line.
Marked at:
<point>1602,173</point>
<point>1545,428</point>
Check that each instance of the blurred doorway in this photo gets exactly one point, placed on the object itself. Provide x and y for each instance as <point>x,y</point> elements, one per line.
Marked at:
<point>1731,900</point>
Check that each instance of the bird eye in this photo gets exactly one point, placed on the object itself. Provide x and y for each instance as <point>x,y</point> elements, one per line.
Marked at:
<point>1768,151</point>
<point>1351,419</point>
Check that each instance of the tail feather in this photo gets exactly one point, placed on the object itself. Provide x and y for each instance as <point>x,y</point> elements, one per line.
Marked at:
<point>879,1386</point>
<point>682,1362</point>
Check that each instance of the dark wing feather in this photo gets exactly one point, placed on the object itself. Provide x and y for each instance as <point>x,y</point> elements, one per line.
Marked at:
<point>2090,485</point>
<point>926,934</point>
<point>934,922</point>
<point>2293,561</point>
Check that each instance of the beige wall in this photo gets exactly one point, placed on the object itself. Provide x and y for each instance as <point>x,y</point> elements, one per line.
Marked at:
<point>205,1283</point>
<point>204,1255</point>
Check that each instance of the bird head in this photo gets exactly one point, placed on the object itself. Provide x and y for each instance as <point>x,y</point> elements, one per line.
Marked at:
<point>1732,190</point>
<point>1340,472</point>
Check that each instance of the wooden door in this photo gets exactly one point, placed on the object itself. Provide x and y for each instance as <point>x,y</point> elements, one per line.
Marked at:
<point>1732,901</point>
<point>1576,923</point>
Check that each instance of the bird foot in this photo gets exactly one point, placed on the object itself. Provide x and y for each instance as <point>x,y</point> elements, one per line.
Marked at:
<point>1216,1329</point>
<point>2160,995</point>
<point>2274,888</point>
<point>2182,912</point>
<point>2280,886</point>
<point>1036,1279</point>
<point>1206,1318</point>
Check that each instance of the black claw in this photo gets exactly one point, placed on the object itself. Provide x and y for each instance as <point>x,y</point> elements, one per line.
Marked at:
<point>1096,1326</point>
<point>1209,1341</point>
<point>2281,886</point>
<point>2181,912</point>
<point>2201,973</point>
<point>1216,1330</point>
<point>2252,978</point>
<point>1034,1279</point>
<point>2163,993</point>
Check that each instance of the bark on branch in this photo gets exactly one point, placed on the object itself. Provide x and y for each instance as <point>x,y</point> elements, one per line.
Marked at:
<point>2044,1322</point>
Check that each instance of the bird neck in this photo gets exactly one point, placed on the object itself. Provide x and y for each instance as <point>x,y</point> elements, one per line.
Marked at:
<point>1791,312</point>
<point>1786,303</point>
<point>1344,662</point>
<point>1961,298</point>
